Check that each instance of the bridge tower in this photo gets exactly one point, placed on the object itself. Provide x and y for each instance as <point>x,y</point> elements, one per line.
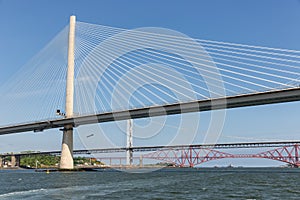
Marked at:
<point>129,152</point>
<point>66,161</point>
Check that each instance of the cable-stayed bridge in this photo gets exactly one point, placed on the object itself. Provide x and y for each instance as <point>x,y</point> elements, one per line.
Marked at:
<point>118,74</point>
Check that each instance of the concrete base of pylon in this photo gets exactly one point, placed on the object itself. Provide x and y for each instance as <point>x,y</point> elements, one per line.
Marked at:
<point>66,160</point>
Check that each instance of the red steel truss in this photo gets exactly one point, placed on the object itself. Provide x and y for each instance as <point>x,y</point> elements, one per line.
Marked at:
<point>192,156</point>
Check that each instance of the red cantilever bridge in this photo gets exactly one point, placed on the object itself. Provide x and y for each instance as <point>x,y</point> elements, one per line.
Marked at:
<point>287,152</point>
<point>192,155</point>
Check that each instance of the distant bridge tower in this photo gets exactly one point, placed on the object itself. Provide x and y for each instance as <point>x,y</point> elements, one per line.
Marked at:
<point>66,161</point>
<point>129,152</point>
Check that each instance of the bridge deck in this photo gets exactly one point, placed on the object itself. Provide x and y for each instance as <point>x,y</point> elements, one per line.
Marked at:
<point>173,147</point>
<point>278,96</point>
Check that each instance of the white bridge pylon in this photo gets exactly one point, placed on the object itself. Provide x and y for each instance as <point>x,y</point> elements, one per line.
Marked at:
<point>66,160</point>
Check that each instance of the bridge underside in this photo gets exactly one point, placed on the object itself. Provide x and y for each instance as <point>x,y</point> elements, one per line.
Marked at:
<point>271,97</point>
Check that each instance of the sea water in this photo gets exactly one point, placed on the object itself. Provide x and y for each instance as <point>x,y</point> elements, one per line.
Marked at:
<point>201,183</point>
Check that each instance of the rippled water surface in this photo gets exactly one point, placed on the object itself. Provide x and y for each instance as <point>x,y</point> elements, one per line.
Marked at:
<point>221,183</point>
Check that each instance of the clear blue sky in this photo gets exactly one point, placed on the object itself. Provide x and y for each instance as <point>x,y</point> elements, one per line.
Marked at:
<point>26,26</point>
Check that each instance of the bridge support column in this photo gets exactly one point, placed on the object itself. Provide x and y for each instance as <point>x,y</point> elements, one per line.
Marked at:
<point>129,152</point>
<point>13,161</point>
<point>1,162</point>
<point>66,161</point>
<point>141,161</point>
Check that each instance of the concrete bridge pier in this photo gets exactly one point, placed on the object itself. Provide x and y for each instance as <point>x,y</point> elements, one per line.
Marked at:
<point>141,160</point>
<point>15,161</point>
<point>129,151</point>
<point>66,160</point>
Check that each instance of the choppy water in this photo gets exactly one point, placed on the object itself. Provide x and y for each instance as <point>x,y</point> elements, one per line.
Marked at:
<point>236,183</point>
